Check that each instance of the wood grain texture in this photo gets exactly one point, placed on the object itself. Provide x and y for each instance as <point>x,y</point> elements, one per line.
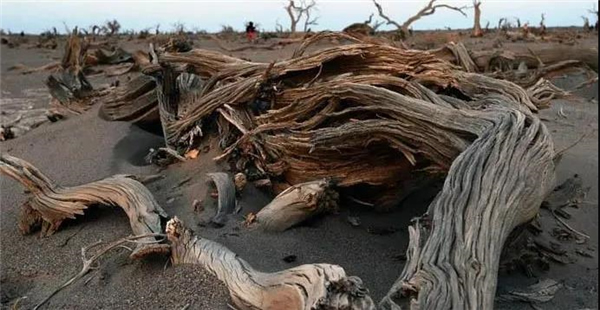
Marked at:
<point>306,287</point>
<point>497,183</point>
<point>51,204</point>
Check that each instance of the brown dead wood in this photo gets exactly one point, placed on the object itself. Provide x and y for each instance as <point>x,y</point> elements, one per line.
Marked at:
<point>538,62</point>
<point>134,101</point>
<point>362,114</point>
<point>70,86</point>
<point>341,92</point>
<point>374,114</point>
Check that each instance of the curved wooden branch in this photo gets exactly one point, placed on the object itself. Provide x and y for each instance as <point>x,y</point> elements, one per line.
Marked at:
<point>314,286</point>
<point>51,204</point>
<point>226,190</point>
<point>429,9</point>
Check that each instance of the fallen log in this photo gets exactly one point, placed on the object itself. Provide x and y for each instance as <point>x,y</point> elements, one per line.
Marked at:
<point>51,204</point>
<point>544,62</point>
<point>314,286</point>
<point>345,92</point>
<point>377,119</point>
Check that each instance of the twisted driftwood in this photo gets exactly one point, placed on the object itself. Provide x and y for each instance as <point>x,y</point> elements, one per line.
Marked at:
<point>343,92</point>
<point>52,204</point>
<point>369,114</point>
<point>542,62</point>
<point>497,183</point>
<point>314,286</point>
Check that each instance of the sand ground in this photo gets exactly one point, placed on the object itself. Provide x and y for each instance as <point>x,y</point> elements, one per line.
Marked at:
<point>85,148</point>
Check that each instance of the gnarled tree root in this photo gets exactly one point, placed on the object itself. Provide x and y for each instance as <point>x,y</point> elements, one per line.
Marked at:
<point>314,286</point>
<point>51,204</point>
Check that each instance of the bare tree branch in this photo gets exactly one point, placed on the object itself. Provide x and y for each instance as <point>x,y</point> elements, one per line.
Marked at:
<point>389,20</point>
<point>309,21</point>
<point>368,21</point>
<point>297,12</point>
<point>429,9</point>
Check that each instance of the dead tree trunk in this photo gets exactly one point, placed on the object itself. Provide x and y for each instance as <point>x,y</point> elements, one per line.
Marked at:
<point>454,249</point>
<point>71,85</point>
<point>314,286</point>
<point>477,32</point>
<point>542,25</point>
<point>134,101</point>
<point>586,23</point>
<point>174,90</point>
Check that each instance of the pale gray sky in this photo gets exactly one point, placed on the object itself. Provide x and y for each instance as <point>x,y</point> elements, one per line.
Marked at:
<point>36,16</point>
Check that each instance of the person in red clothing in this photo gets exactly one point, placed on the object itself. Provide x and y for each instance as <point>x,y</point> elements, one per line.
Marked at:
<point>250,32</point>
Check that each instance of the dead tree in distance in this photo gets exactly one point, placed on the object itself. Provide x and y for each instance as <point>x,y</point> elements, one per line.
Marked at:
<point>595,11</point>
<point>297,12</point>
<point>429,9</point>
<point>586,23</point>
<point>543,25</point>
<point>477,32</point>
<point>112,27</point>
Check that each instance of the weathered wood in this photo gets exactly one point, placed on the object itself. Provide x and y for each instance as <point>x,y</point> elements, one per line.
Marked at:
<point>538,62</point>
<point>497,183</point>
<point>70,86</point>
<point>115,57</point>
<point>477,32</point>
<point>314,286</point>
<point>134,101</point>
<point>51,204</point>
<point>226,199</point>
<point>297,204</point>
